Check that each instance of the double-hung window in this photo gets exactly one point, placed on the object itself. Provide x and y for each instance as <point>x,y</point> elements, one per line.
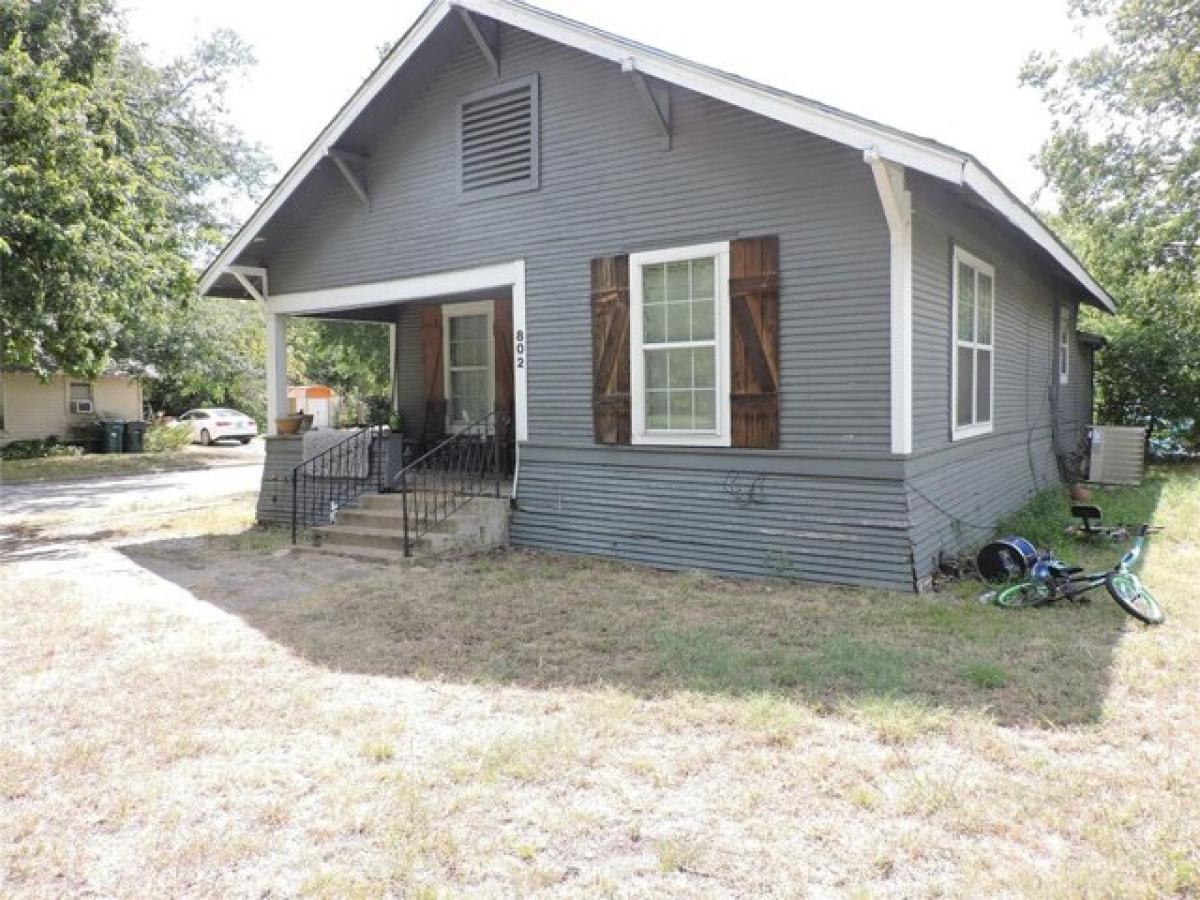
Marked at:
<point>973,362</point>
<point>1064,345</point>
<point>679,353</point>
<point>468,354</point>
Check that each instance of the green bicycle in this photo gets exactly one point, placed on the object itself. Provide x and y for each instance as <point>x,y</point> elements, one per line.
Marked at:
<point>1051,580</point>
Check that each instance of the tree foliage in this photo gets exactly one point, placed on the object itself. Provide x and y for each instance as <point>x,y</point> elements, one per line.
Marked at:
<point>350,357</point>
<point>1124,161</point>
<point>113,174</point>
<point>211,352</point>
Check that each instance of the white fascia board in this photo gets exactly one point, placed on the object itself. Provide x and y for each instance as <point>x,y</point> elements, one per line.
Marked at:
<point>382,293</point>
<point>825,123</point>
<point>986,186</point>
<point>424,26</point>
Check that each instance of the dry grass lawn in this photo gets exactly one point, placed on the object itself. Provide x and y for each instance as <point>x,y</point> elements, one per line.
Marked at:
<point>216,717</point>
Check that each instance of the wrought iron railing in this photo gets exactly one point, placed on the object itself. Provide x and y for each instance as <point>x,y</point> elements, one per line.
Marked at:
<point>337,475</point>
<point>470,463</point>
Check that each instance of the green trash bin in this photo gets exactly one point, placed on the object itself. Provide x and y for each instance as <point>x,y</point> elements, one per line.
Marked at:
<point>112,436</point>
<point>135,437</point>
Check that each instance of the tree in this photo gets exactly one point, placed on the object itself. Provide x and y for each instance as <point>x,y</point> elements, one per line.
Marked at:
<point>211,352</point>
<point>350,357</point>
<point>1124,161</point>
<point>112,178</point>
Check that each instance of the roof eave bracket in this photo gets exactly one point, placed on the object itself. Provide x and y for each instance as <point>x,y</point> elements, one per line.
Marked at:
<point>656,97</point>
<point>486,35</point>
<point>244,273</point>
<point>358,183</point>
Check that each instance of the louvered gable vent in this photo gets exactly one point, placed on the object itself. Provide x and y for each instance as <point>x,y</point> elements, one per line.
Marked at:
<point>498,140</point>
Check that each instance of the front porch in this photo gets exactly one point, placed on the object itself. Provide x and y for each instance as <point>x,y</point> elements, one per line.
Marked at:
<point>458,347</point>
<point>457,378</point>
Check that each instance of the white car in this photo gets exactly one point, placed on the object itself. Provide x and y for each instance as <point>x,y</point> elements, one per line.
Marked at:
<point>210,425</point>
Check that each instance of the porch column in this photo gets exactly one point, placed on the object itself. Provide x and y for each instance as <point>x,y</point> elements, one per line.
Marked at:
<point>277,382</point>
<point>393,365</point>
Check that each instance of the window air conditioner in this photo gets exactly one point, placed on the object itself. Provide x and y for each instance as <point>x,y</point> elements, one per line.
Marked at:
<point>82,407</point>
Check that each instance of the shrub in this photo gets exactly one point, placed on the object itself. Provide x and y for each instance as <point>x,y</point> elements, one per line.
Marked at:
<point>38,449</point>
<point>167,437</point>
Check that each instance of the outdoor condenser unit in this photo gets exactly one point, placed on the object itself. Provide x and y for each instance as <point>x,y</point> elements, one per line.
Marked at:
<point>1117,454</point>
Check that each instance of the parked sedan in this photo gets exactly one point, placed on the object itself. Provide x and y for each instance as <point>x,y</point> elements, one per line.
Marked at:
<point>210,425</point>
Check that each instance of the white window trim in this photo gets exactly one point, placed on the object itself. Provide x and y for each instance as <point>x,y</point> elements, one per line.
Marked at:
<point>1064,345</point>
<point>455,310</point>
<point>67,382</point>
<point>721,437</point>
<point>978,428</point>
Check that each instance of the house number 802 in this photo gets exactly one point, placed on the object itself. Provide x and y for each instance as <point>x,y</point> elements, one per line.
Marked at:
<point>520,344</point>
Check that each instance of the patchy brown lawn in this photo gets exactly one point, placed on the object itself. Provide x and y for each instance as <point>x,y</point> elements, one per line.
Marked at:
<point>215,716</point>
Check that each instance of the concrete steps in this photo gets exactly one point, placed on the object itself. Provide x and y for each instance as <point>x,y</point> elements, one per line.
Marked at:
<point>372,530</point>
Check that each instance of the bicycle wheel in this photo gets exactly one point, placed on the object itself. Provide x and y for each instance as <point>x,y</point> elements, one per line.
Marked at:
<point>1131,595</point>
<point>1023,595</point>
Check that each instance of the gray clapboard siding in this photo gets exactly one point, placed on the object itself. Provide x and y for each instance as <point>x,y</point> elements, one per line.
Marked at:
<point>822,529</point>
<point>1074,399</point>
<point>832,504</point>
<point>959,489</point>
<point>608,186</point>
<point>409,372</point>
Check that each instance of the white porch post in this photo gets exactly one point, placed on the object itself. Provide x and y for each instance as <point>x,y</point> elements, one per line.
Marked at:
<point>393,365</point>
<point>277,382</point>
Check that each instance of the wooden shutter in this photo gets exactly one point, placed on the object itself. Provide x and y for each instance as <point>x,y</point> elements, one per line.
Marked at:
<point>611,411</point>
<point>502,335</point>
<point>432,369</point>
<point>754,341</point>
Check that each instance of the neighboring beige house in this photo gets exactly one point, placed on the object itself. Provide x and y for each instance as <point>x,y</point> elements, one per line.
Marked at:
<point>32,408</point>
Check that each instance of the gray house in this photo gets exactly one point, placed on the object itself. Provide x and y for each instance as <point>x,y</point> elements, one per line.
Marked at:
<point>735,329</point>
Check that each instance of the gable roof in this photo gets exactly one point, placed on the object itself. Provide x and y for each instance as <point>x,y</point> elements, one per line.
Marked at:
<point>918,153</point>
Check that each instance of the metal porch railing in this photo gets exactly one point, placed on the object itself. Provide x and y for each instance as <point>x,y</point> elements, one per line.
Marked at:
<point>337,475</point>
<point>468,464</point>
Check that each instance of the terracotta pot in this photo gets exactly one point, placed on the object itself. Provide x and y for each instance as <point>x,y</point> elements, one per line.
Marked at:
<point>288,424</point>
<point>1079,493</point>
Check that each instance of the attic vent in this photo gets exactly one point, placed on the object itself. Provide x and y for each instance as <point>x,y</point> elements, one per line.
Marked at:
<point>498,140</point>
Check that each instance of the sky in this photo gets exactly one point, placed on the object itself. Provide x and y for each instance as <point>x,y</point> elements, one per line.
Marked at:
<point>946,69</point>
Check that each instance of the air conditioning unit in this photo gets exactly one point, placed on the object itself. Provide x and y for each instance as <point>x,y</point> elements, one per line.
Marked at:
<point>82,407</point>
<point>1118,454</point>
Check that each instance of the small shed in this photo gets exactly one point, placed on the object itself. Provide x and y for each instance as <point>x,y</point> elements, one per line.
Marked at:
<point>318,400</point>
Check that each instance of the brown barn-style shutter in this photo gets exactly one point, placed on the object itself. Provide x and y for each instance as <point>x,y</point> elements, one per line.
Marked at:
<point>502,335</point>
<point>611,411</point>
<point>431,369</point>
<point>754,341</point>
